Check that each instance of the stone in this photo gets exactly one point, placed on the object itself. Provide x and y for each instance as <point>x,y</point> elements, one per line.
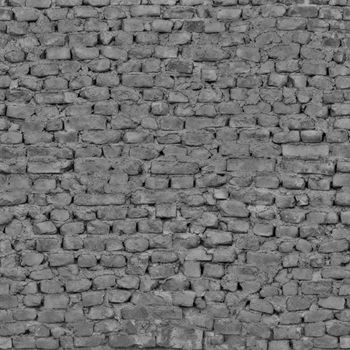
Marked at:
<point>296,303</point>
<point>5,343</point>
<point>41,4</point>
<point>344,342</point>
<point>265,230</point>
<point>60,259</point>
<point>60,53</point>
<point>261,306</point>
<point>174,174</point>
<point>229,14</point>
<point>248,53</point>
<point>332,302</point>
<point>104,282</point>
<point>180,337</point>
<point>136,244</point>
<point>85,53</point>
<point>26,14</point>
<point>279,345</point>
<point>233,208</point>
<point>172,168</point>
<point>326,341</point>
<point>8,301</point>
<point>342,198</point>
<point>46,227</point>
<point>215,237</point>
<point>137,80</point>
<point>114,53</point>
<point>56,301</point>
<point>6,15</point>
<point>78,286</point>
<point>98,199</point>
<point>333,246</point>
<point>305,152</point>
<point>12,198</point>
<point>339,109</point>
<point>206,53</point>
<point>225,326</point>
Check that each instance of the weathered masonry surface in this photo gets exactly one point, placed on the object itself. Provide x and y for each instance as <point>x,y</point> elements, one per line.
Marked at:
<point>175,174</point>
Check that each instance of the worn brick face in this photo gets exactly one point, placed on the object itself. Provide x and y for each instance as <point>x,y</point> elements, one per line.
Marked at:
<point>174,174</point>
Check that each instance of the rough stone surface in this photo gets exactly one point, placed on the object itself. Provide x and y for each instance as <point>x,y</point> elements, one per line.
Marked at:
<point>175,174</point>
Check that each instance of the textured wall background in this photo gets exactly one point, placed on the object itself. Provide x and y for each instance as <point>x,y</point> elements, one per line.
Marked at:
<point>174,174</point>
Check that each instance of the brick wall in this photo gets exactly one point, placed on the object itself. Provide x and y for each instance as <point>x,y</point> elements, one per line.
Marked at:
<point>174,174</point>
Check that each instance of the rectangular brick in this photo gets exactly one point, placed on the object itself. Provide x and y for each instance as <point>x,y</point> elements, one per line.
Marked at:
<point>305,152</point>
